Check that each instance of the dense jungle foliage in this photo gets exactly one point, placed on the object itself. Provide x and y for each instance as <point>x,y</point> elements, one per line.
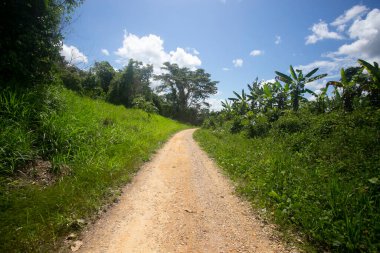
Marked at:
<point>312,165</point>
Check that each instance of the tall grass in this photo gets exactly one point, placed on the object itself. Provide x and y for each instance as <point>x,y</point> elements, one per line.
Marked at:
<point>97,144</point>
<point>318,174</point>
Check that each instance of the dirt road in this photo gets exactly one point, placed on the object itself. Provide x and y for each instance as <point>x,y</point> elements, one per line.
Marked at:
<point>180,202</point>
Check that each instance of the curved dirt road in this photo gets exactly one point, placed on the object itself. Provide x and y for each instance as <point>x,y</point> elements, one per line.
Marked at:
<point>179,202</point>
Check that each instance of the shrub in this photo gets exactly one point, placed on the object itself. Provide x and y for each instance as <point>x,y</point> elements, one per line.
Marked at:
<point>290,123</point>
<point>259,126</point>
<point>143,104</point>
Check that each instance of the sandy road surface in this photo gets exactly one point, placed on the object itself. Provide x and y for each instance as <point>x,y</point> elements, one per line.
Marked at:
<point>179,202</point>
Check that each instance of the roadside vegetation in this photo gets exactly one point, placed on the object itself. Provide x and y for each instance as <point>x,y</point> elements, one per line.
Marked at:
<point>69,137</point>
<point>312,166</point>
<point>60,166</point>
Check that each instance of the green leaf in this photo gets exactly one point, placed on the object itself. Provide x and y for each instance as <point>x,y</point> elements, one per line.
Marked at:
<point>293,73</point>
<point>374,71</point>
<point>274,195</point>
<point>334,83</point>
<point>374,180</point>
<point>283,77</point>
<point>237,95</point>
<point>316,78</point>
<point>267,90</point>
<point>286,87</point>
<point>311,73</point>
<point>343,76</point>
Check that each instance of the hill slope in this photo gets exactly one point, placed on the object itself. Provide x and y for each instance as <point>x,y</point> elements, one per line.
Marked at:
<point>63,157</point>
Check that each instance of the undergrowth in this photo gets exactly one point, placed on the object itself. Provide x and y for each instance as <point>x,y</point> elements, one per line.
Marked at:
<point>316,173</point>
<point>97,144</point>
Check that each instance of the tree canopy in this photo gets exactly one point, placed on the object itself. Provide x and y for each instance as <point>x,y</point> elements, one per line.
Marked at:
<point>185,89</point>
<point>31,35</point>
<point>131,83</point>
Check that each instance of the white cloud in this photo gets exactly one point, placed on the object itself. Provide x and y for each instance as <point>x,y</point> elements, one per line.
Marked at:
<point>105,52</point>
<point>366,33</point>
<point>278,40</point>
<point>238,62</point>
<point>256,52</point>
<point>192,50</point>
<point>316,85</point>
<point>351,14</point>
<point>150,50</point>
<point>72,55</point>
<point>184,59</point>
<point>268,81</point>
<point>320,32</point>
<point>215,103</point>
<point>324,66</point>
<point>225,69</point>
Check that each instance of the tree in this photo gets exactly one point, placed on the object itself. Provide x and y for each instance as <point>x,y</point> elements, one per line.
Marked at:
<point>30,32</point>
<point>297,83</point>
<point>132,82</point>
<point>71,76</point>
<point>104,73</point>
<point>185,89</point>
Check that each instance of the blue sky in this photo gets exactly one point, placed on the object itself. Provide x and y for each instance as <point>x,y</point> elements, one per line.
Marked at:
<point>234,40</point>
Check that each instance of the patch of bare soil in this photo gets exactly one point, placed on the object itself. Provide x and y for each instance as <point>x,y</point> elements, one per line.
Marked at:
<point>180,202</point>
<point>40,172</point>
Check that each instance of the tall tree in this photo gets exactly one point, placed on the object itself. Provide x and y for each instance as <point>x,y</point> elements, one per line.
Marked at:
<point>30,32</point>
<point>104,74</point>
<point>132,82</point>
<point>185,89</point>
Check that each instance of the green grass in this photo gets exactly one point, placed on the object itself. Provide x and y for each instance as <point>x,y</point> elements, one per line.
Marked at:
<point>102,144</point>
<point>316,174</point>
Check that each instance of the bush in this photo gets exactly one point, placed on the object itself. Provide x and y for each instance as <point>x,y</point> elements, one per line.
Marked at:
<point>290,123</point>
<point>258,127</point>
<point>237,124</point>
<point>143,104</point>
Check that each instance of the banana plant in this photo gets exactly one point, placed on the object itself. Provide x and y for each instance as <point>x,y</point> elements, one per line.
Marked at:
<point>297,83</point>
<point>240,103</point>
<point>350,89</point>
<point>255,96</point>
<point>268,96</point>
<point>227,107</point>
<point>280,94</point>
<point>321,99</point>
<point>373,88</point>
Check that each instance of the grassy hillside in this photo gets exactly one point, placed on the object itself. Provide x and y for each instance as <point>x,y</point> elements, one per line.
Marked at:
<point>316,173</point>
<point>62,158</point>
